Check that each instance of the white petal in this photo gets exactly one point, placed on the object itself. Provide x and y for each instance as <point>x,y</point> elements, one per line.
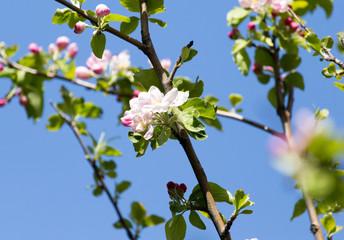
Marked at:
<point>149,133</point>
<point>171,96</point>
<point>182,97</point>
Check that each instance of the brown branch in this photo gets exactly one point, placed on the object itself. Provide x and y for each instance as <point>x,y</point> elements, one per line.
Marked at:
<point>329,56</point>
<point>230,221</point>
<point>177,64</point>
<point>78,82</point>
<point>285,116</point>
<point>250,122</point>
<point>109,29</point>
<point>92,162</point>
<point>181,134</point>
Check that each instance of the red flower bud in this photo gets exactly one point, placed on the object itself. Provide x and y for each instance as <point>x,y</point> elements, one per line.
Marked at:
<point>23,100</point>
<point>274,14</point>
<point>288,21</point>
<point>1,67</point>
<point>33,47</point>
<point>2,102</point>
<point>294,26</point>
<point>251,26</point>
<point>257,68</point>
<point>183,187</point>
<point>171,185</point>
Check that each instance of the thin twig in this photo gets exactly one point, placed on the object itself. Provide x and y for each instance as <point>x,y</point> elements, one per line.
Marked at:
<point>250,122</point>
<point>329,56</point>
<point>230,221</point>
<point>92,162</point>
<point>290,99</point>
<point>109,29</point>
<point>177,64</point>
<point>49,75</point>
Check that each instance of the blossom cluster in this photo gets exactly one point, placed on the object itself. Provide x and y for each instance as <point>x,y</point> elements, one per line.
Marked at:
<point>119,63</point>
<point>148,105</point>
<point>280,6</point>
<point>176,190</point>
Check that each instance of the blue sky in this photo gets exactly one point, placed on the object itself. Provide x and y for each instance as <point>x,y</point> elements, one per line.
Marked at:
<point>44,175</point>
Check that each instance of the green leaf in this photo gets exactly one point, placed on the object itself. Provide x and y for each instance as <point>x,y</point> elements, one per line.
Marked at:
<point>97,191</point>
<point>187,54</point>
<point>118,224</point>
<point>219,194</point>
<point>121,187</point>
<point>272,97</point>
<point>314,41</point>
<point>263,57</point>
<point>110,151</point>
<point>68,69</point>
<point>204,108</point>
<point>327,42</point>
<point>161,135</point>
<point>263,78</point>
<point>262,38</point>
<point>129,27</point>
<point>200,135</point>
<point>328,223</point>
<point>98,42</point>
<point>55,122</point>
<point>175,228</point>
<point>212,123</point>
<point>327,5</point>
<point>241,200</point>
<point>240,44</point>
<point>196,221</point>
<point>89,110</point>
<point>243,61</point>
<point>236,16</point>
<point>116,18</point>
<point>299,209</point>
<point>111,174</point>
<point>290,62</point>
<point>34,107</point>
<point>235,99</point>
<point>147,78</point>
<point>330,71</point>
<point>153,6</point>
<point>339,85</point>
<point>184,84</point>
<point>61,16</point>
<point>158,21</point>
<point>11,50</point>
<point>109,165</point>
<point>296,80</point>
<point>152,220</point>
<point>138,212</point>
<point>247,211</point>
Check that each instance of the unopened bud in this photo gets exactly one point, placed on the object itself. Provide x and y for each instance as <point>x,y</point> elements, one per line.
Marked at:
<point>62,42</point>
<point>79,27</point>
<point>251,26</point>
<point>2,102</point>
<point>97,69</point>
<point>136,93</point>
<point>33,47</point>
<point>19,91</point>
<point>1,67</point>
<point>82,73</point>
<point>23,100</point>
<point>294,26</point>
<point>72,50</point>
<point>288,21</point>
<point>183,187</point>
<point>170,185</point>
<point>274,14</point>
<point>102,10</point>
<point>269,68</point>
<point>257,68</point>
<point>52,48</point>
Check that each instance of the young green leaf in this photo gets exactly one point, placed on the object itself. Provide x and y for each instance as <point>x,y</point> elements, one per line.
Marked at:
<point>129,27</point>
<point>147,78</point>
<point>152,220</point>
<point>296,80</point>
<point>158,22</point>
<point>98,42</point>
<point>175,228</point>
<point>118,224</point>
<point>138,212</point>
<point>116,18</point>
<point>236,16</point>
<point>243,61</point>
<point>235,99</point>
<point>55,122</point>
<point>299,209</point>
<point>196,221</point>
<point>314,41</point>
<point>290,62</point>
<point>122,186</point>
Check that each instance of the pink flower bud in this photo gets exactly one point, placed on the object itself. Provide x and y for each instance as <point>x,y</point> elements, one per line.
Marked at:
<point>234,34</point>
<point>183,187</point>
<point>82,73</point>
<point>2,102</point>
<point>269,68</point>
<point>23,100</point>
<point>136,93</point>
<point>102,10</point>
<point>62,42</point>
<point>33,47</point>
<point>1,67</point>
<point>79,27</point>
<point>257,68</point>
<point>72,50</point>
<point>251,26</point>
<point>19,91</point>
<point>289,6</point>
<point>294,26</point>
<point>230,35</point>
<point>288,21</point>
<point>52,48</point>
<point>127,120</point>
<point>301,34</point>
<point>97,69</point>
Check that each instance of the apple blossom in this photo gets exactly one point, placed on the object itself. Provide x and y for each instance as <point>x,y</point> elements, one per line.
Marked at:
<point>280,5</point>
<point>102,62</point>
<point>62,42</point>
<point>165,63</point>
<point>79,27</point>
<point>245,3</point>
<point>33,47</point>
<point>52,48</point>
<point>121,62</point>
<point>82,73</point>
<point>72,50</point>
<point>2,102</point>
<point>102,10</point>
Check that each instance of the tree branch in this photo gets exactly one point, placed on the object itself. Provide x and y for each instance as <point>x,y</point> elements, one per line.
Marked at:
<point>250,122</point>
<point>109,29</point>
<point>177,64</point>
<point>92,162</point>
<point>329,56</point>
<point>230,221</point>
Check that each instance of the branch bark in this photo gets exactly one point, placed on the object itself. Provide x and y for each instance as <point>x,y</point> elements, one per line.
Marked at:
<point>92,162</point>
